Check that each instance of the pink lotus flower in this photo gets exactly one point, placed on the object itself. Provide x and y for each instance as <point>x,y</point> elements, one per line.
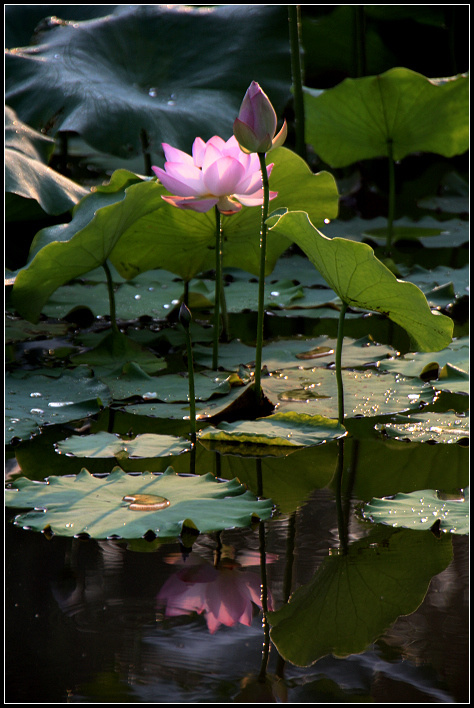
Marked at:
<point>225,594</point>
<point>256,124</point>
<point>217,173</point>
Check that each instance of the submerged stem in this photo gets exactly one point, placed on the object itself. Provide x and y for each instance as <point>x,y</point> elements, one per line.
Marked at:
<point>263,581</point>
<point>261,279</point>
<point>340,388</point>
<point>110,289</point>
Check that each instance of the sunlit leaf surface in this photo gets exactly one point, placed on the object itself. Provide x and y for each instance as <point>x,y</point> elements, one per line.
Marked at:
<point>420,510</point>
<point>85,504</point>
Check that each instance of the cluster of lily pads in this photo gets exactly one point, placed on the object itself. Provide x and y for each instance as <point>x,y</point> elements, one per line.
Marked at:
<point>131,253</point>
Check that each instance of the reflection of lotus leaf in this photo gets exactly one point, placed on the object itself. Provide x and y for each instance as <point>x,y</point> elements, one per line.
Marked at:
<point>85,504</point>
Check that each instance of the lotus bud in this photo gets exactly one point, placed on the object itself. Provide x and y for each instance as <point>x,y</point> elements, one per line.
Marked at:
<point>256,124</point>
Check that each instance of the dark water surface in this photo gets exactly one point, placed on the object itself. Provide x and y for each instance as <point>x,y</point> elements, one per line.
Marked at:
<point>83,625</point>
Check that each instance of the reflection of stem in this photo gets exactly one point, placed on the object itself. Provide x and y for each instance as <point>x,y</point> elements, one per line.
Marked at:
<point>341,519</point>
<point>391,196</point>
<point>261,279</point>
<point>294,21</point>
<point>340,388</point>
<point>263,575</point>
<point>288,577</point>
<point>218,290</point>
<point>110,288</point>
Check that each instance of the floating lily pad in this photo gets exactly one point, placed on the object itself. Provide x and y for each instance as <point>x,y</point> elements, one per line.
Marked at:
<point>280,429</point>
<point>420,510</point>
<point>437,427</point>
<point>115,351</point>
<point>368,393</point>
<point>85,504</point>
<point>105,444</point>
<point>49,400</point>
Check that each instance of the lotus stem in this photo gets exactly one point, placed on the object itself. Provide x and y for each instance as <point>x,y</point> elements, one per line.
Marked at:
<point>218,290</point>
<point>185,318</point>
<point>110,288</point>
<point>294,22</point>
<point>341,519</point>
<point>340,387</point>
<point>359,41</point>
<point>391,196</point>
<point>261,279</point>
<point>263,581</point>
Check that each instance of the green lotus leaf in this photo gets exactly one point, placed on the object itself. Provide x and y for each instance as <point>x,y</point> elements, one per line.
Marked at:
<point>47,400</point>
<point>353,598</point>
<point>439,427</point>
<point>361,280</point>
<point>366,393</point>
<point>420,510</point>
<point>63,252</point>
<point>170,71</point>
<point>287,429</point>
<point>359,118</point>
<point>183,241</point>
<point>85,504</point>
<point>27,175</point>
<point>105,444</point>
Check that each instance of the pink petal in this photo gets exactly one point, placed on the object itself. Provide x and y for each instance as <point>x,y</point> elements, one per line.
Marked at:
<point>199,148</point>
<point>172,154</point>
<point>222,176</point>
<point>184,187</point>
<point>188,175</point>
<point>193,203</point>
<point>255,199</point>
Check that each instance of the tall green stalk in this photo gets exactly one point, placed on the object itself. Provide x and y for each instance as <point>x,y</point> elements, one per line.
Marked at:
<point>185,319</point>
<point>391,196</point>
<point>294,22</point>
<point>340,388</point>
<point>218,290</point>
<point>261,279</point>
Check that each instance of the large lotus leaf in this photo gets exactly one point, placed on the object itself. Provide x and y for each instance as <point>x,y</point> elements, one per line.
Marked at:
<point>184,241</point>
<point>354,597</point>
<point>85,504</point>
<point>285,429</point>
<point>27,175</point>
<point>361,280</point>
<point>63,252</point>
<point>420,510</point>
<point>43,399</point>
<point>366,393</point>
<point>360,118</point>
<point>172,71</point>
<point>105,444</point>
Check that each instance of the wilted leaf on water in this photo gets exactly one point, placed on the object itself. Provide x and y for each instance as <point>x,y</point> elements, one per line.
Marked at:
<point>280,429</point>
<point>420,510</point>
<point>84,504</point>
<point>353,598</point>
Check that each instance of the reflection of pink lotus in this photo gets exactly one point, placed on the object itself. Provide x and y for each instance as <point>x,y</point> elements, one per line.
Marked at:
<point>217,173</point>
<point>224,593</point>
